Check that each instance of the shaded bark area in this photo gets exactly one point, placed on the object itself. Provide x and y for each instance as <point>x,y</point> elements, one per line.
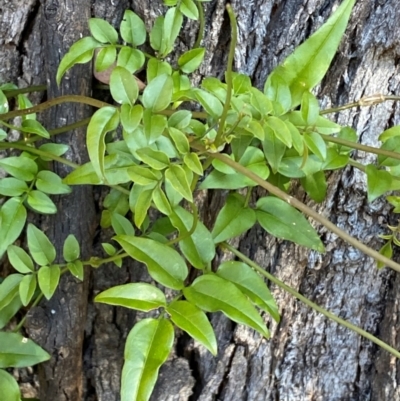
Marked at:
<point>308,357</point>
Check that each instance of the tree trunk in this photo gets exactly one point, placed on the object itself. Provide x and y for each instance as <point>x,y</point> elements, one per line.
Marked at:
<point>308,357</point>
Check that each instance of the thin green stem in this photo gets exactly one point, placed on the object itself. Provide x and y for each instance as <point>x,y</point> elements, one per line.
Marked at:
<point>306,210</point>
<point>248,196</point>
<point>228,75</point>
<point>309,303</point>
<point>15,92</point>
<point>201,25</point>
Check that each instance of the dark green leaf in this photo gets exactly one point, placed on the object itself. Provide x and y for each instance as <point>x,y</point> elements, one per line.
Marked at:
<point>9,387</point>
<point>48,277</point>
<point>40,247</point>
<point>315,186</point>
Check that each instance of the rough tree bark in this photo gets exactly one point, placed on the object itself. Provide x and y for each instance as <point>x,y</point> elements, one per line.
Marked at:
<point>308,357</point>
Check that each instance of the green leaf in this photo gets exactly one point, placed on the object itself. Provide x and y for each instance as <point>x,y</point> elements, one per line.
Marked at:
<point>309,108</point>
<point>40,247</point>
<point>280,129</point>
<point>193,162</point>
<point>316,144</point>
<point>12,221</point>
<point>171,27</point>
<point>27,288</point>
<point>123,86</point>
<point>198,248</point>
<point>144,176</point>
<point>274,149</point>
<point>48,277</point>
<point>164,264</point>
<point>103,120</point>
<point>206,292</point>
<point>277,90</point>
<point>25,103</point>
<point>349,134</point>
<point>51,183</point>
<point>161,201</point>
<point>157,95</point>
<point>147,348</point>
<point>142,206</point>
<point>180,119</point>
<point>335,160</point>
<point>140,296</point>
<point>153,158</point>
<point>250,284</point>
<point>12,186</point>
<point>233,219</point>
<point>34,127</point>
<point>9,288</point>
<point>157,67</point>
<point>194,321</point>
<point>131,117</point>
<point>322,126</point>
<point>102,31</point>
<point>133,29</point>
<point>392,144</point>
<point>315,186</point>
<point>4,107</point>
<point>9,387</point>
<point>41,203</point>
<point>176,176</point>
<point>131,59</point>
<point>284,221</point>
<point>308,64</point>
<point>105,58</point>
<point>76,269</point>
<point>57,149</point>
<point>71,249</point>
<point>378,182</point>
<point>20,260</point>
<point>19,167</point>
<point>10,310</point>
<point>191,60</point>
<point>154,125</point>
<point>209,102</point>
<point>386,250</point>
<point>80,52</point>
<point>260,102</point>
<point>389,133</point>
<point>156,33</point>
<point>189,9</point>
<point>19,352</point>
<point>121,225</point>
<point>180,140</point>
<point>3,134</point>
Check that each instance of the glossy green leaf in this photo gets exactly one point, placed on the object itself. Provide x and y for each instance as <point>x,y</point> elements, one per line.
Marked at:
<point>105,58</point>
<point>164,264</point>
<point>19,352</point>
<point>121,225</point>
<point>250,284</point>
<point>9,387</point>
<point>133,29</point>
<point>48,278</point>
<point>308,64</point>
<point>27,288</point>
<point>157,95</point>
<point>20,260</point>
<point>9,288</point>
<point>40,247</point>
<point>233,219</point>
<point>102,31</point>
<point>10,186</point>
<point>378,182</point>
<point>34,127</point>
<point>284,221</point>
<point>40,202</point>
<point>315,186</point>
<point>103,120</point>
<point>71,248</point>
<point>206,293</point>
<point>198,248</point>
<point>12,221</point>
<point>80,52</point>
<point>191,60</point>
<point>19,167</point>
<point>123,86</point>
<point>51,183</point>
<point>176,176</point>
<point>140,296</point>
<point>76,269</point>
<point>146,349</point>
<point>194,321</point>
<point>131,59</point>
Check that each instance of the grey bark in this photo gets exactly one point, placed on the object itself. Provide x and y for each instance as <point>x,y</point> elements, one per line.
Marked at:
<point>308,357</point>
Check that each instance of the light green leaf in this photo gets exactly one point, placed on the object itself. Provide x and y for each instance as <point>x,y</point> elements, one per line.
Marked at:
<point>198,248</point>
<point>25,103</point>
<point>40,247</point>
<point>80,52</point>
<point>153,158</point>
<point>12,221</point>
<point>102,31</point>
<point>140,296</point>
<point>389,133</point>
<point>392,144</point>
<point>34,127</point>
<point>154,125</point>
<point>131,59</point>
<point>250,284</point>
<point>144,176</point>
<point>209,102</point>
<point>284,221</point>
<point>9,387</point>
<point>103,120</point>
<point>274,149</point>
<point>308,64</point>
<point>10,186</point>
<point>57,149</point>
<point>123,86</point>
<point>194,321</point>
<point>157,67</point>
<point>9,288</point>
<point>322,126</point>
<point>309,108</point>
<point>51,183</point>
<point>193,162</point>
<point>180,140</point>
<point>277,90</point>
<point>260,102</point>
<point>386,250</point>
<point>176,176</point>
<point>161,201</point>
<point>280,129</point>
<point>191,60</point>
<point>180,119</point>
<point>206,293</point>
<point>19,167</point>
<point>164,264</point>
<point>142,206</point>
<point>156,33</point>
<point>121,225</point>
<point>71,248</point>
<point>157,95</point>
<point>20,260</point>
<point>4,107</point>
<point>189,9</point>
<point>40,202</point>
<point>131,116</point>
<point>19,352</point>
<point>233,219</point>
<point>27,288</point>
<point>335,160</point>
<point>378,182</point>
<point>105,58</point>
<point>76,269</point>
<point>147,348</point>
<point>172,25</point>
<point>316,144</point>
<point>133,29</point>
<point>48,277</point>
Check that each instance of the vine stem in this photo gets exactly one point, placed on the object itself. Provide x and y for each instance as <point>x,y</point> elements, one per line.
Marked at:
<point>202,23</point>
<point>309,303</point>
<point>306,210</point>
